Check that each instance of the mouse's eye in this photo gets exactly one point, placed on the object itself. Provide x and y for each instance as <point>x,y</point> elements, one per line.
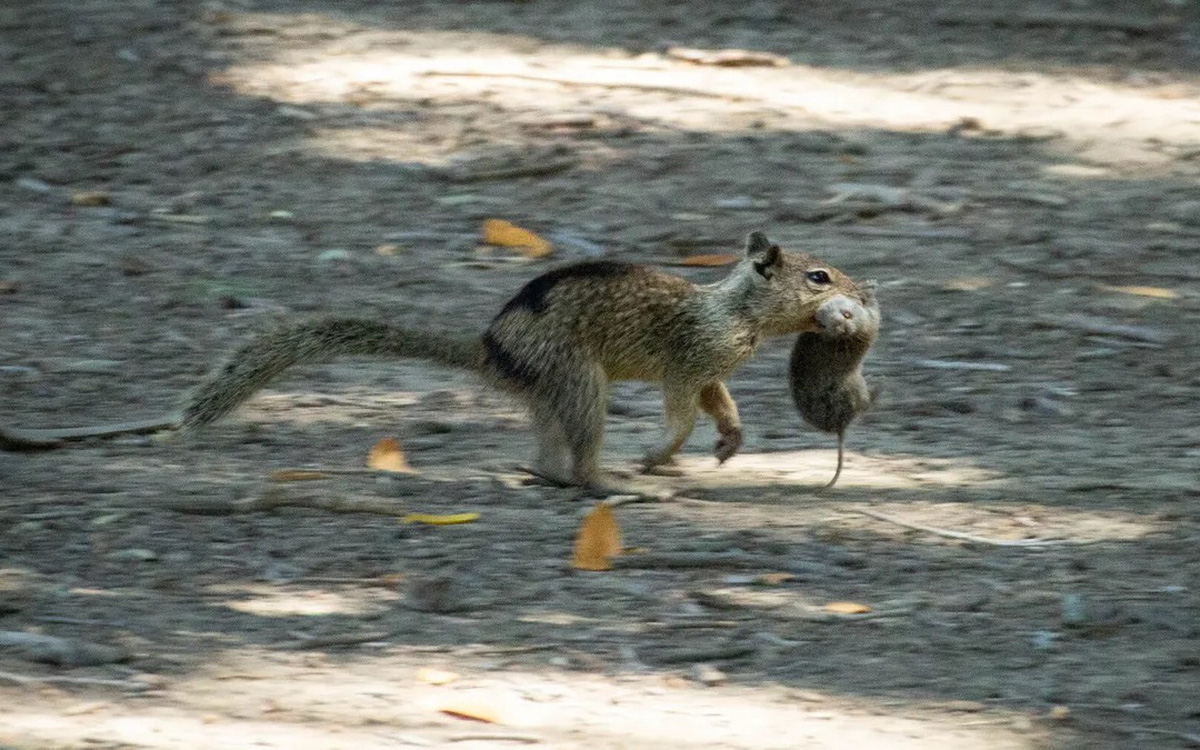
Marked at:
<point>817,277</point>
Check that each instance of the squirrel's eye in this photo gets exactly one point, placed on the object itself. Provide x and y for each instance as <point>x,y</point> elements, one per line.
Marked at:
<point>817,277</point>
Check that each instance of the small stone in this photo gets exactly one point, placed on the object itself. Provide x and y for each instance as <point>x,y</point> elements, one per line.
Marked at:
<point>1074,611</point>
<point>34,184</point>
<point>707,674</point>
<point>335,254</point>
<point>134,554</point>
<point>1045,640</point>
<point>1059,713</point>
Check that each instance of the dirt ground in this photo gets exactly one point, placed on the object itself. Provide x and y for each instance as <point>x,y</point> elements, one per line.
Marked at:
<point>175,175</point>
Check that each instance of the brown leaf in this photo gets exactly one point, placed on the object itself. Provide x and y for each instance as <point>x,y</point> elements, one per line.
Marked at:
<point>715,259</point>
<point>9,286</point>
<point>599,539</point>
<point>387,456</point>
<point>506,234</point>
<point>296,475</point>
<point>475,711</point>
<point>91,198</point>
<point>847,608</point>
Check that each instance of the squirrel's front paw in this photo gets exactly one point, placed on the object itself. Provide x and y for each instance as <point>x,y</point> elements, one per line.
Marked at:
<point>729,443</point>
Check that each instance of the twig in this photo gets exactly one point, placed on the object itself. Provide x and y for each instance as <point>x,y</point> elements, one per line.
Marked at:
<point>527,739</point>
<point>27,439</point>
<point>336,639</point>
<point>660,89</point>
<point>962,535</point>
<point>528,169</point>
<point>277,498</point>
<point>21,679</point>
<point>1103,326</point>
<point>1102,21</point>
<point>690,560</point>
<point>722,652</point>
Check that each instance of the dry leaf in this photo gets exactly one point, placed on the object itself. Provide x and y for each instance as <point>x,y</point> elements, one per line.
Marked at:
<point>1156,292</point>
<point>475,711</point>
<point>387,456</point>
<point>506,234</point>
<point>716,259</point>
<point>9,286</point>
<point>847,608</point>
<point>433,676</point>
<point>774,579</point>
<point>599,539</point>
<point>296,475</point>
<point>968,284</point>
<point>442,520</point>
<point>387,249</point>
<point>91,198</point>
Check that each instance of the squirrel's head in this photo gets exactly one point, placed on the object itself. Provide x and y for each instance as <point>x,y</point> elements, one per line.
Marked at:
<point>789,289</point>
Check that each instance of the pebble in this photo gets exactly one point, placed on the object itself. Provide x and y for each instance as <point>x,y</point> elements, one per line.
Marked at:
<point>707,674</point>
<point>135,554</point>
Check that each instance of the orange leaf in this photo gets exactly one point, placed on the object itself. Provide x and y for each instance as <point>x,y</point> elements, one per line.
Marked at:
<point>506,234</point>
<point>599,539</point>
<point>387,456</point>
<point>847,608</point>
<point>716,259</point>
<point>296,475</point>
<point>474,711</point>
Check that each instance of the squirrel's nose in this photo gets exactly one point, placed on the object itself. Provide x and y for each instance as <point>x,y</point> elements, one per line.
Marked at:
<point>847,314</point>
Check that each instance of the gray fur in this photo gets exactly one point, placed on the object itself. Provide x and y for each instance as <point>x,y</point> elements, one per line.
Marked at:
<point>825,371</point>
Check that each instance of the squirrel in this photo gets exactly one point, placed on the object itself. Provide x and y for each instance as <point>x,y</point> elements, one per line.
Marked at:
<point>825,369</point>
<point>557,345</point>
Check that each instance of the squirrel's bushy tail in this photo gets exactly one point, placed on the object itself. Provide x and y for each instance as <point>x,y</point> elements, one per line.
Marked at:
<point>256,363</point>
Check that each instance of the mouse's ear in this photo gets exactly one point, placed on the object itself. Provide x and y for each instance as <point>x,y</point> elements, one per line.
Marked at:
<point>757,244</point>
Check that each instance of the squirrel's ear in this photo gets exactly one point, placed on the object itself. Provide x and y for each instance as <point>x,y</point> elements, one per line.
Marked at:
<point>769,261</point>
<point>757,243</point>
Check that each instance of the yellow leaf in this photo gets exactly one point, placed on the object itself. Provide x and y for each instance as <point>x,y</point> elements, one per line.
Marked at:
<point>475,711</point>
<point>387,456</point>
<point>506,234</point>
<point>774,579</point>
<point>847,608</point>
<point>1156,292</point>
<point>296,475</point>
<point>443,520</point>
<point>91,198</point>
<point>716,259</point>
<point>432,676</point>
<point>599,539</point>
<point>968,284</point>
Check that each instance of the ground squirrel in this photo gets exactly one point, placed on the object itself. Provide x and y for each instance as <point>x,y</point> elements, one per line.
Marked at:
<point>560,342</point>
<point>825,371</point>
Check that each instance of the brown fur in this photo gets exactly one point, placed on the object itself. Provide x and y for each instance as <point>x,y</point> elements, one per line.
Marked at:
<point>565,336</point>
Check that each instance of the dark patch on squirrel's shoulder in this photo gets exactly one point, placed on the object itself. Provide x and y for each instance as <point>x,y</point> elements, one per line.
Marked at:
<point>532,296</point>
<point>507,365</point>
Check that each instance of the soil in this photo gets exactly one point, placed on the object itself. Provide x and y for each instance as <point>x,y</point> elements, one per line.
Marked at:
<point>175,175</point>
